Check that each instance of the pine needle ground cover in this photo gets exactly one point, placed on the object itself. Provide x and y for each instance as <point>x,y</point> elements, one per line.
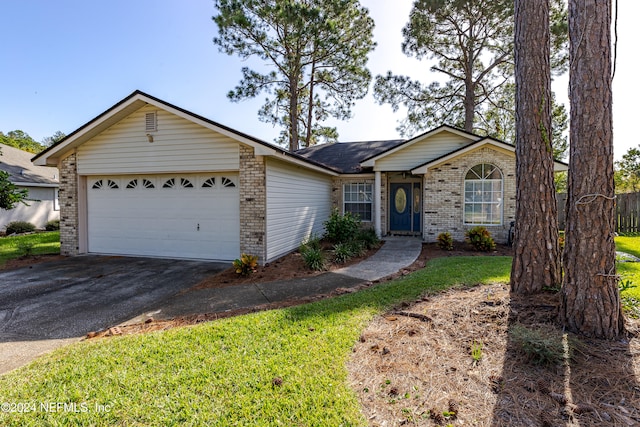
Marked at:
<point>280,367</point>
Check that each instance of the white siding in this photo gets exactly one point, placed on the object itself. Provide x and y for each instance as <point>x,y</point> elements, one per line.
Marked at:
<point>422,152</point>
<point>178,146</point>
<point>42,208</point>
<point>298,204</point>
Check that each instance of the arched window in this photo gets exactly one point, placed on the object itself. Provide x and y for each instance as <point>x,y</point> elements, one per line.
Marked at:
<point>483,197</point>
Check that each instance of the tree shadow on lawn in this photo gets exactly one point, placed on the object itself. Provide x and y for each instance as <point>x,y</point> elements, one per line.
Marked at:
<point>596,385</point>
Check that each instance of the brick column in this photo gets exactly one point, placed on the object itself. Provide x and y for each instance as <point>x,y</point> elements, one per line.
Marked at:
<point>253,204</point>
<point>68,198</point>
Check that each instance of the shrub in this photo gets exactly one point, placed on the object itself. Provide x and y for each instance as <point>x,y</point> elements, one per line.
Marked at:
<point>542,347</point>
<point>358,247</point>
<point>312,242</point>
<point>341,228</point>
<point>480,238</point>
<point>445,241</point>
<point>313,258</point>
<point>368,237</point>
<point>342,252</point>
<point>26,248</point>
<point>246,264</point>
<point>53,225</point>
<point>312,254</point>
<point>17,227</point>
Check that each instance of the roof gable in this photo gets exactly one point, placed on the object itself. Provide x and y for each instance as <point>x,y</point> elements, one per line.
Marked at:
<point>496,144</point>
<point>138,100</point>
<point>123,109</point>
<point>424,147</point>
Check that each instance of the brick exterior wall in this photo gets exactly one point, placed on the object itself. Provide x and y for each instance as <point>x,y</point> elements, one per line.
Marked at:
<point>253,204</point>
<point>68,198</point>
<point>444,194</point>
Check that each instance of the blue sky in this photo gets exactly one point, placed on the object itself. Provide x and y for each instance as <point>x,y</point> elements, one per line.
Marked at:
<point>64,62</point>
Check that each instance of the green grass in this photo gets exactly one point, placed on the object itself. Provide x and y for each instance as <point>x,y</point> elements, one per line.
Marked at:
<point>221,373</point>
<point>628,244</point>
<point>629,271</point>
<point>43,244</point>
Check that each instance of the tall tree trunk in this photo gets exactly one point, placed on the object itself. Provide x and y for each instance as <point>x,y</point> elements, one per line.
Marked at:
<point>293,112</point>
<point>469,103</point>
<point>310,106</point>
<point>590,300</point>
<point>536,261</point>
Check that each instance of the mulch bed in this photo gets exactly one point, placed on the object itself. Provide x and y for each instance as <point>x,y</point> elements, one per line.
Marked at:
<point>290,266</point>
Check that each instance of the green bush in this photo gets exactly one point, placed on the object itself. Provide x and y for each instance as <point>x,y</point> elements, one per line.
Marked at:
<point>480,238</point>
<point>312,242</point>
<point>445,241</point>
<point>53,225</point>
<point>341,228</point>
<point>342,252</point>
<point>26,248</point>
<point>18,227</point>
<point>368,237</point>
<point>542,347</point>
<point>313,258</point>
<point>312,253</point>
<point>358,247</point>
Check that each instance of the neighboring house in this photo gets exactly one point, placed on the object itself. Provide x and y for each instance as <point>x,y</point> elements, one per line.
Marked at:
<point>41,182</point>
<point>148,178</point>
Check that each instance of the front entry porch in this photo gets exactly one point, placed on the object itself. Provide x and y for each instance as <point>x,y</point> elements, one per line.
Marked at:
<point>405,206</point>
<point>401,198</point>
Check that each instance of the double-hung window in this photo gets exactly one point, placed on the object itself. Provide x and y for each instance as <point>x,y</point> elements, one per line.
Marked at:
<point>358,200</point>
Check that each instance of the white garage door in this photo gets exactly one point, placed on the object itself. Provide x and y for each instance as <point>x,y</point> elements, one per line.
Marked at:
<point>178,216</point>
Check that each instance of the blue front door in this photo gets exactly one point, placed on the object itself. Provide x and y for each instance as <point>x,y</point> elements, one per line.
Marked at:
<point>405,203</point>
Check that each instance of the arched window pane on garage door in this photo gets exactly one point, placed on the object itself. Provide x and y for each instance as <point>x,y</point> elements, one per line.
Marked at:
<point>483,195</point>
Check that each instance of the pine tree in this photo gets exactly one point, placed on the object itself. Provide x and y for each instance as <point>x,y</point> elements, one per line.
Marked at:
<point>317,50</point>
<point>590,299</point>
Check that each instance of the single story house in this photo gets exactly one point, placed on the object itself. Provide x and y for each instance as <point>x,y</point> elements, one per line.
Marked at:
<point>148,178</point>
<point>41,182</point>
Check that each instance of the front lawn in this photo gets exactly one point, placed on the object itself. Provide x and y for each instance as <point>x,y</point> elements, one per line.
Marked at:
<point>629,244</point>
<point>45,243</point>
<point>629,271</point>
<point>281,367</point>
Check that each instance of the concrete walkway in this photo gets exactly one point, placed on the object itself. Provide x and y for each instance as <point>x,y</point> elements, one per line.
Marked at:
<point>396,254</point>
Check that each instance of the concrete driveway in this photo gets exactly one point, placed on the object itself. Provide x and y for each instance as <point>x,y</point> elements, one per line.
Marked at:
<point>49,304</point>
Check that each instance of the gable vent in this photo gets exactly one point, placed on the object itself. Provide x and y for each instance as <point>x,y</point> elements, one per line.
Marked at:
<point>150,122</point>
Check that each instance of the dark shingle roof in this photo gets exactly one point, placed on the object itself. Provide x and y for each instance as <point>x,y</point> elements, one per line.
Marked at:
<point>345,157</point>
<point>18,164</point>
